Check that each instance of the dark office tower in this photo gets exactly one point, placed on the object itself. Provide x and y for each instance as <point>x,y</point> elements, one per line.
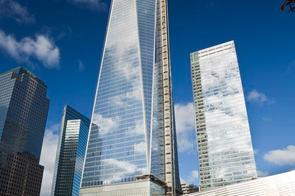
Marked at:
<point>22,176</point>
<point>23,114</point>
<point>71,153</point>
<point>132,146</point>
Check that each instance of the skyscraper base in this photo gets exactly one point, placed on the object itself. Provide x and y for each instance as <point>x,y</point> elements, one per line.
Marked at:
<point>142,188</point>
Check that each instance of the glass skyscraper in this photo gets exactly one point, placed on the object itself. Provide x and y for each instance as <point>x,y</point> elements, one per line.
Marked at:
<point>132,146</point>
<point>224,141</point>
<point>71,153</point>
<point>23,114</point>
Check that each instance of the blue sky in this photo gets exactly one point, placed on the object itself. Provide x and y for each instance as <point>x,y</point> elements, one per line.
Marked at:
<point>61,42</point>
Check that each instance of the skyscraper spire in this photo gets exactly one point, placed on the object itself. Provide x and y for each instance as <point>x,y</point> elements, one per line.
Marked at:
<point>132,143</point>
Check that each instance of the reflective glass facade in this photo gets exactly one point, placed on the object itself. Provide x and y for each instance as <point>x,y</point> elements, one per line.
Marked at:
<point>71,153</point>
<point>224,141</point>
<point>127,135</point>
<point>6,86</point>
<point>23,114</point>
<point>24,107</point>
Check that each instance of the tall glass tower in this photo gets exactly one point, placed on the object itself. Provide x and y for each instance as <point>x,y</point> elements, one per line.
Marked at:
<point>132,144</point>
<point>224,141</point>
<point>71,153</point>
<point>23,114</point>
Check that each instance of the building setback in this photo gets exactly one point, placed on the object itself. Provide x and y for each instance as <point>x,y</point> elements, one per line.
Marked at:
<point>132,146</point>
<point>223,134</point>
<point>71,153</point>
<point>23,114</point>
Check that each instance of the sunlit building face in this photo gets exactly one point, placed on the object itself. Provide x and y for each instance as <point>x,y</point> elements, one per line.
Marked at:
<point>224,141</point>
<point>130,124</point>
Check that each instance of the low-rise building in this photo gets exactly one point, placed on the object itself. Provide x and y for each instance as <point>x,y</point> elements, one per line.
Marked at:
<point>189,188</point>
<point>277,185</point>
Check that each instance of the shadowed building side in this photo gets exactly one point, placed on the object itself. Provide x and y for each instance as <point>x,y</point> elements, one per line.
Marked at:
<point>24,108</point>
<point>70,153</point>
<point>22,176</point>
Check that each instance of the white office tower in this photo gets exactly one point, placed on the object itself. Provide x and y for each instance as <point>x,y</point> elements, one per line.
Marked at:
<point>223,134</point>
<point>132,146</point>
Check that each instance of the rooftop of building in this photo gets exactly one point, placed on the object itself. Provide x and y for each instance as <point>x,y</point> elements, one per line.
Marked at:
<point>214,49</point>
<point>21,70</point>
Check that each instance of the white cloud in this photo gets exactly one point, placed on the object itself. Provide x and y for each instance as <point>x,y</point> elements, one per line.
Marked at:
<point>195,174</point>
<point>124,98</point>
<point>185,117</point>
<point>257,97</point>
<point>81,66</point>
<point>126,166</point>
<point>138,129</point>
<point>281,157</point>
<point>123,168</point>
<point>185,126</point>
<point>127,69</point>
<point>12,9</point>
<point>192,179</point>
<point>118,100</point>
<point>184,143</point>
<point>256,151</point>
<point>48,156</point>
<point>140,148</point>
<point>106,125</point>
<point>40,48</point>
<point>290,68</point>
<point>262,173</point>
<point>131,72</point>
<point>236,120</point>
<point>91,4</point>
